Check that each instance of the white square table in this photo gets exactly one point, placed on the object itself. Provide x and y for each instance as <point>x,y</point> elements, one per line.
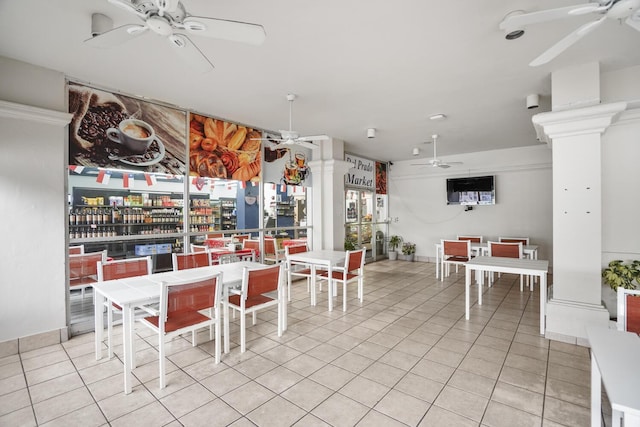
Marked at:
<point>320,258</point>
<point>614,363</point>
<point>131,292</point>
<point>529,267</point>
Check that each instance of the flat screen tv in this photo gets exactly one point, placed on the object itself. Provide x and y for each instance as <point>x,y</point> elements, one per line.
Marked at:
<point>477,190</point>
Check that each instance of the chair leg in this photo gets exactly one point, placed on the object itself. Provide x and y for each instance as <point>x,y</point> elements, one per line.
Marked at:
<point>243,325</point>
<point>254,317</point>
<point>344,296</point>
<point>218,334</point>
<point>110,329</point>
<point>161,362</point>
<point>521,282</point>
<point>194,338</point>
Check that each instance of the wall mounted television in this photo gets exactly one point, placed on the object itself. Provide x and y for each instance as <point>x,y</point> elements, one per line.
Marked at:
<point>478,190</point>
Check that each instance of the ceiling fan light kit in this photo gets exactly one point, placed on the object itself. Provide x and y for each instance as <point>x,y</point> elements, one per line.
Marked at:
<point>100,24</point>
<point>435,162</point>
<point>515,32</point>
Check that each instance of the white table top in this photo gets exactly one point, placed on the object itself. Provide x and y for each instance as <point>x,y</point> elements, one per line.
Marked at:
<point>324,257</point>
<point>142,289</point>
<point>616,353</point>
<point>509,265</point>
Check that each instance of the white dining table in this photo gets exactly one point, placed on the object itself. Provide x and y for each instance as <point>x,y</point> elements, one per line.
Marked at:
<point>132,292</point>
<point>327,259</point>
<point>531,251</point>
<point>528,267</point>
<point>614,363</point>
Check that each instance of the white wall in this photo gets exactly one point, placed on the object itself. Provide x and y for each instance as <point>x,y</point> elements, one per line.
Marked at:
<point>417,197</point>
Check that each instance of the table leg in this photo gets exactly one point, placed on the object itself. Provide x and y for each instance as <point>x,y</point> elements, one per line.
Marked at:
<point>312,284</point>
<point>543,300</point>
<point>596,384</point>
<point>479,283</point>
<point>285,302</point>
<point>330,287</point>
<point>467,289</point>
<point>127,318</point>
<point>98,304</point>
<point>225,308</point>
<point>437,261</point>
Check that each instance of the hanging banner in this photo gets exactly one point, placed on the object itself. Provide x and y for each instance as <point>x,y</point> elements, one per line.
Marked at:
<point>114,131</point>
<point>381,178</point>
<point>286,164</point>
<point>219,149</point>
<point>362,174</point>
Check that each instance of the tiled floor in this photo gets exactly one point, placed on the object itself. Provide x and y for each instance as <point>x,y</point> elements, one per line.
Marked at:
<point>407,357</point>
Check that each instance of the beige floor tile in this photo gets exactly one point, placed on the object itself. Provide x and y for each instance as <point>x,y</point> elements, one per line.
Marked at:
<point>304,365</point>
<point>107,387</point>
<point>153,414</point>
<point>311,421</point>
<point>433,370</point>
<point>462,403</point>
<point>11,384</point>
<point>187,399</point>
<point>62,404</point>
<point>55,387</point>
<point>529,364</point>
<point>281,354</point>
<point>307,394</point>
<point>523,379</point>
<point>412,347</point>
<point>375,419</point>
<point>499,415</point>
<point>121,404</point>
<point>383,374</point>
<point>279,379</point>
<point>569,392</point>
<point>402,407</point>
<point>566,413</point>
<point>481,367</point>
<point>332,377</point>
<point>340,411</point>
<point>20,418</point>
<point>437,416</point>
<point>46,359</point>
<point>275,413</point>
<point>174,381</point>
<point>255,367</point>
<point>444,357</point>
<point>205,368</point>
<point>419,387</point>
<point>519,398</point>
<point>303,343</point>
<point>364,391</point>
<point>215,414</point>
<point>10,402</point>
<point>46,373</point>
<point>352,362</point>
<point>101,371</point>
<point>326,352</point>
<point>225,381</point>
<point>399,359</point>
<point>477,384</point>
<point>570,360</point>
<point>371,350</point>
<point>570,375</point>
<point>247,397</point>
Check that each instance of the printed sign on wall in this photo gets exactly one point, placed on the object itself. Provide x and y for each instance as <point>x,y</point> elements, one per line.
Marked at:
<point>362,174</point>
<point>381,178</point>
<point>287,164</point>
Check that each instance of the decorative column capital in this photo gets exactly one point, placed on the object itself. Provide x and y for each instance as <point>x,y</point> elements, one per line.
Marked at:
<point>580,121</point>
<point>13,110</point>
<point>330,166</point>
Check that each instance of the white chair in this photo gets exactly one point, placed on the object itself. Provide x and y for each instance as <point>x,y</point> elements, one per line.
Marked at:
<point>506,250</point>
<point>118,269</point>
<point>182,308</point>
<point>628,310</point>
<point>351,271</point>
<point>454,252</point>
<point>190,260</point>
<point>296,269</point>
<point>257,292</point>
<point>271,252</point>
<point>76,250</point>
<point>472,239</point>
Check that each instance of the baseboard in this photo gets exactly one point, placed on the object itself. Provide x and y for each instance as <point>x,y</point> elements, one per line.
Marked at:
<point>33,342</point>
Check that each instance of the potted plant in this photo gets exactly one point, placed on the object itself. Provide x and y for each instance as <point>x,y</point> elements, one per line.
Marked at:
<point>408,251</point>
<point>350,243</point>
<point>394,242</point>
<point>619,274</point>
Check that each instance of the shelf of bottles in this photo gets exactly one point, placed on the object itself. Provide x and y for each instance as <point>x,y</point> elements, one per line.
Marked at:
<point>125,215</point>
<point>204,215</point>
<point>228,218</point>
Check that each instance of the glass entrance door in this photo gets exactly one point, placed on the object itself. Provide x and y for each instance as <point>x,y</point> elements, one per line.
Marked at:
<point>366,225</point>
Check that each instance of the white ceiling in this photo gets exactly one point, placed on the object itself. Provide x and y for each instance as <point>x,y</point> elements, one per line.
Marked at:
<point>354,65</point>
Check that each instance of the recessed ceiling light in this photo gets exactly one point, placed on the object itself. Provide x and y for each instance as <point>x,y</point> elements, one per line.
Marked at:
<point>438,116</point>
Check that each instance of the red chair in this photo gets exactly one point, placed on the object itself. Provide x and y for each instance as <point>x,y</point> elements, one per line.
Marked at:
<point>628,310</point>
<point>472,239</point>
<point>523,240</point>
<point>353,270</point>
<point>297,269</point>
<point>506,250</point>
<point>271,252</point>
<point>254,245</point>
<point>182,305</point>
<point>190,260</point>
<point>258,288</point>
<point>83,272</point>
<point>119,269</point>
<point>76,250</point>
<point>456,252</point>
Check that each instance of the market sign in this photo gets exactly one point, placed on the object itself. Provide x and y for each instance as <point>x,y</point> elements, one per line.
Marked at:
<point>362,174</point>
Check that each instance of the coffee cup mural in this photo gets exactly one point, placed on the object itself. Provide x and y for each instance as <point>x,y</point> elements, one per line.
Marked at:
<point>134,134</point>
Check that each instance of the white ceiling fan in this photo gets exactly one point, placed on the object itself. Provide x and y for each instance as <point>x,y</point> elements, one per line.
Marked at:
<point>165,17</point>
<point>435,162</point>
<point>291,137</point>
<point>627,10</point>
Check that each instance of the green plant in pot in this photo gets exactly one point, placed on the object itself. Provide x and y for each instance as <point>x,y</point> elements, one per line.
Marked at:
<point>408,251</point>
<point>619,274</point>
<point>350,243</point>
<point>394,242</point>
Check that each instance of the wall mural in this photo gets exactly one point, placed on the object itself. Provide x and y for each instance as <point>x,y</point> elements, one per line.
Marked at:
<point>286,164</point>
<point>109,130</point>
<point>219,149</point>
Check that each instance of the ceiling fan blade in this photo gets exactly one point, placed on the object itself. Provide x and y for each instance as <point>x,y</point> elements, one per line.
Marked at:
<point>566,42</point>
<point>443,165</point>
<point>236,31</point>
<point>166,6</point>
<point>306,144</point>
<point>128,6</point>
<point>517,21</point>
<point>189,52</point>
<point>455,163</point>
<point>117,36</point>
<point>314,138</point>
<point>633,23</point>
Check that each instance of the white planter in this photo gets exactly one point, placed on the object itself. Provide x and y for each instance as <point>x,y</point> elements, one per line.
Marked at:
<point>393,255</point>
<point>406,257</point>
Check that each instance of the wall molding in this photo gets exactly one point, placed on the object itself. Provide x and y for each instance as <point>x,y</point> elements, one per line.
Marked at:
<point>14,110</point>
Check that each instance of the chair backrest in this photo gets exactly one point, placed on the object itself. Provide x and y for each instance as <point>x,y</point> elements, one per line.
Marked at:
<point>251,244</point>
<point>628,310</point>
<point>523,240</point>
<point>354,260</point>
<point>269,246</point>
<point>190,260</point>
<point>180,301</point>
<point>84,267</point>
<point>505,249</point>
<point>76,250</point>
<point>198,248</point>
<point>215,236</point>
<point>472,239</point>
<point>216,242</point>
<point>241,237</point>
<point>131,267</point>
<point>258,281</point>
<point>456,248</point>
<point>295,249</point>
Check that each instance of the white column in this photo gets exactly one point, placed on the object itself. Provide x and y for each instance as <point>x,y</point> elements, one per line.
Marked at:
<point>575,136</point>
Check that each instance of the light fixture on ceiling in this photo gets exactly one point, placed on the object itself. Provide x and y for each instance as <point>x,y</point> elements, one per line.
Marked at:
<point>438,116</point>
<point>416,151</point>
<point>371,133</point>
<point>100,24</point>
<point>512,33</point>
<point>533,101</point>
